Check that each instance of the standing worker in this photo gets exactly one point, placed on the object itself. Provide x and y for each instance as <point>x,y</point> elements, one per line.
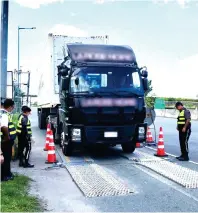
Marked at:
<point>1,157</point>
<point>8,135</point>
<point>184,128</point>
<point>24,133</point>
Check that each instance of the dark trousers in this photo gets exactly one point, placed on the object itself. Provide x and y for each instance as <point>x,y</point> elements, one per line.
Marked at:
<point>6,148</point>
<point>24,144</point>
<point>183,138</point>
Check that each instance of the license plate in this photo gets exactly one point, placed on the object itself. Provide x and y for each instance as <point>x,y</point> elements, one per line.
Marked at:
<point>110,134</point>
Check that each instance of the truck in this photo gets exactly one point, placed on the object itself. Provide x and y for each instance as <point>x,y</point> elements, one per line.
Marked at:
<point>92,93</point>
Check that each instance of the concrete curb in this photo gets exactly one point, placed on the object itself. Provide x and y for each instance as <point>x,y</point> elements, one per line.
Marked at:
<point>172,113</point>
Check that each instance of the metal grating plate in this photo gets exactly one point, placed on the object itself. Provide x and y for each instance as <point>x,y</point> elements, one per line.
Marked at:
<point>139,156</point>
<point>94,181</point>
<point>78,159</point>
<point>181,175</point>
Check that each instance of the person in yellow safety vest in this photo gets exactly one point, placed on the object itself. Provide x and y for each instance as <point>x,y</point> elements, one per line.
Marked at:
<point>184,128</point>
<point>1,156</point>
<point>24,133</point>
<point>8,135</point>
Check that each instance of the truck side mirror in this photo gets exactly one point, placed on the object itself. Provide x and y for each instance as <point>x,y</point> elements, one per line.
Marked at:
<point>145,84</point>
<point>63,70</point>
<point>77,81</point>
<point>64,83</point>
<point>144,73</point>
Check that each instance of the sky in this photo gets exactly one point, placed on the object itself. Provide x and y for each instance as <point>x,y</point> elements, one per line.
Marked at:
<point>163,34</point>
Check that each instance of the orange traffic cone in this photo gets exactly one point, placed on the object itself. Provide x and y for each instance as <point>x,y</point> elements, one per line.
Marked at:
<point>51,157</point>
<point>149,138</point>
<point>139,145</point>
<point>160,145</point>
<point>47,138</point>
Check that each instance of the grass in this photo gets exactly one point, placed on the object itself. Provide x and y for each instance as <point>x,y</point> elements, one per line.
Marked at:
<point>15,197</point>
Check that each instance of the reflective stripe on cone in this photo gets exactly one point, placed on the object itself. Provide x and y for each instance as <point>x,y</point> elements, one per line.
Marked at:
<point>51,154</point>
<point>160,145</point>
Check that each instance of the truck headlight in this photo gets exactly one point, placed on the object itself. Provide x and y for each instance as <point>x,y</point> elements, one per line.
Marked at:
<point>141,130</point>
<point>76,134</point>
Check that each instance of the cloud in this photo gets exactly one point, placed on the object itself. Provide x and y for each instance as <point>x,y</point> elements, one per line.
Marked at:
<point>99,1</point>
<point>104,1</point>
<point>73,14</point>
<point>182,80</point>
<point>35,4</point>
<point>182,3</point>
<point>68,30</point>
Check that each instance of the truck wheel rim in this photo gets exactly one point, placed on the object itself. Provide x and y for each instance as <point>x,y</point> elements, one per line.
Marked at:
<point>62,139</point>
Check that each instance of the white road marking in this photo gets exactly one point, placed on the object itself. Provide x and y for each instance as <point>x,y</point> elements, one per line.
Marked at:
<point>171,155</point>
<point>167,182</point>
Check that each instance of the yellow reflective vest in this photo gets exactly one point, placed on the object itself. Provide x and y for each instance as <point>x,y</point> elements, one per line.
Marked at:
<point>19,126</point>
<point>181,120</point>
<point>11,127</point>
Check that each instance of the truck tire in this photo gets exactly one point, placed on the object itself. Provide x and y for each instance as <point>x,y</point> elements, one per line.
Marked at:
<point>67,149</point>
<point>42,120</point>
<point>128,147</point>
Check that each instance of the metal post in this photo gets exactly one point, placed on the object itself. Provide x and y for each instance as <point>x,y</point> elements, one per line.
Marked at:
<point>4,47</point>
<point>28,87</point>
<point>18,57</point>
<point>21,28</point>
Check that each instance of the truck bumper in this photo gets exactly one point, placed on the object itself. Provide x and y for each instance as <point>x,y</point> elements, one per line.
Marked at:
<point>111,135</point>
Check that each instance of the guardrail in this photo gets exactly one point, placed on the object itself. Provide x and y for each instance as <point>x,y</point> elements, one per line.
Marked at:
<point>173,113</point>
<point>187,104</point>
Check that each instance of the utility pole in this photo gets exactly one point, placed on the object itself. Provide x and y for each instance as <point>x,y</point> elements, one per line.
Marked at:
<point>4,47</point>
<point>19,70</point>
<point>28,87</point>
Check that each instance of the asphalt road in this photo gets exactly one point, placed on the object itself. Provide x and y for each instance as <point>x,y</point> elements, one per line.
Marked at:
<point>151,191</point>
<point>171,137</point>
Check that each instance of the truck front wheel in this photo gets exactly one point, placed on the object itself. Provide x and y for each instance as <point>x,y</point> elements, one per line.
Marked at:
<point>128,147</point>
<point>66,148</point>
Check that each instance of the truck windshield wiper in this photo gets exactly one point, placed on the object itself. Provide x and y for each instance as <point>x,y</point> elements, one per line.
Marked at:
<point>129,92</point>
<point>107,92</point>
<point>85,93</point>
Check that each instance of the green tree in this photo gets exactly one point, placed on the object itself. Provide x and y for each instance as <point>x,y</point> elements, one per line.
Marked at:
<point>150,88</point>
<point>150,98</point>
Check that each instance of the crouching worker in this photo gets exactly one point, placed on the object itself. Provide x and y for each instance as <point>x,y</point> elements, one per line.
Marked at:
<point>24,133</point>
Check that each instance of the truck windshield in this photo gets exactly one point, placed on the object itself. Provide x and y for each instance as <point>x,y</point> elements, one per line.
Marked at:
<point>106,79</point>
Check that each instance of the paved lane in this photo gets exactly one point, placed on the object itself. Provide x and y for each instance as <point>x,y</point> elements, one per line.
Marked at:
<point>152,192</point>
<point>171,138</point>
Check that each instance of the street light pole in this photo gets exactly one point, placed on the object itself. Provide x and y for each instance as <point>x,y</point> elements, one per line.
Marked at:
<point>18,57</point>
<point>28,87</point>
<point>21,28</point>
<point>4,48</point>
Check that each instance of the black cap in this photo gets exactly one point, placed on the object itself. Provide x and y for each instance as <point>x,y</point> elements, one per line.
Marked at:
<point>178,104</point>
<point>25,109</point>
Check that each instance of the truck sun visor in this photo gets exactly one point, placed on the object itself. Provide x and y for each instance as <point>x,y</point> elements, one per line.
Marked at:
<point>102,56</point>
<point>108,102</point>
<point>102,53</point>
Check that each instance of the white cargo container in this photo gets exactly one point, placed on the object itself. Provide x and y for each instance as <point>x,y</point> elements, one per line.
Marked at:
<point>48,96</point>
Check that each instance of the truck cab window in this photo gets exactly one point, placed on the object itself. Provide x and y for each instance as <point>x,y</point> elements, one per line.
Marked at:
<point>82,87</point>
<point>136,80</point>
<point>105,79</point>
